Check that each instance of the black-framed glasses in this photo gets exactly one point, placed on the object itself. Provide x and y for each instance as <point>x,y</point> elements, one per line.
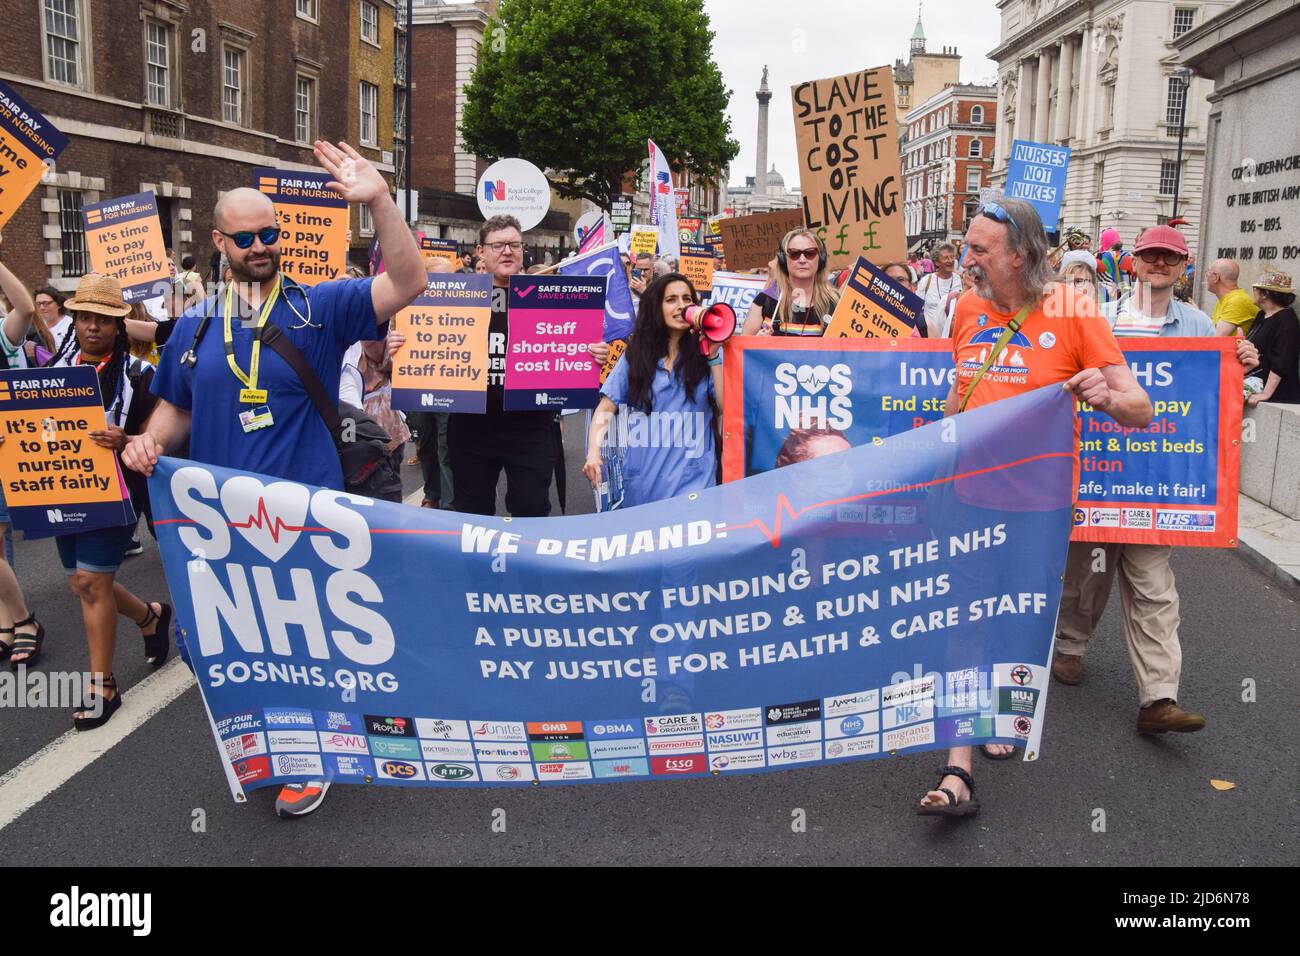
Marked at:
<point>998,213</point>
<point>808,254</point>
<point>1152,256</point>
<point>498,247</point>
<point>267,236</point>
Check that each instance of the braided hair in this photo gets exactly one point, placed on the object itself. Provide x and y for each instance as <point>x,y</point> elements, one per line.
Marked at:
<point>113,375</point>
<point>65,348</point>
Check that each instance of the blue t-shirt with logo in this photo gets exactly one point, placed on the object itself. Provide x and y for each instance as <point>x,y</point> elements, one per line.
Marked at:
<point>298,446</point>
<point>670,451</point>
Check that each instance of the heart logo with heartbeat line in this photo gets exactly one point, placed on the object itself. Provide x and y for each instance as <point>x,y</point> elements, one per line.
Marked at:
<point>270,517</point>
<point>812,377</point>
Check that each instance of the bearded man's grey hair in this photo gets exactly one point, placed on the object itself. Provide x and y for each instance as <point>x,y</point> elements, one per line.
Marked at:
<point>1025,236</point>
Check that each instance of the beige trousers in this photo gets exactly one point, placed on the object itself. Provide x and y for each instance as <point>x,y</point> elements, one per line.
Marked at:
<point>1148,599</point>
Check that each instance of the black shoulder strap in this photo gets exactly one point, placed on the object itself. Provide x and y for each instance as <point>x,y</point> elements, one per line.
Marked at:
<point>279,344</point>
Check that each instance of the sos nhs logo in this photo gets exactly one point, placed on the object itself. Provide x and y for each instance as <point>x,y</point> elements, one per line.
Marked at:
<point>812,396</point>
<point>246,536</point>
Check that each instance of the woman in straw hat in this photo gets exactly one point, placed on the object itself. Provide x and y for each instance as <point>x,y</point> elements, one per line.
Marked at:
<point>19,629</point>
<point>91,558</point>
<point>1276,333</point>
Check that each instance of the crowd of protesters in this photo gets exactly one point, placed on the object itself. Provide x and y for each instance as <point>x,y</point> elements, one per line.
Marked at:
<point>1003,270</point>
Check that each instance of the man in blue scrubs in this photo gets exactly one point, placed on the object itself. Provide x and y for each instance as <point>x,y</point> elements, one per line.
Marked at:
<point>252,411</point>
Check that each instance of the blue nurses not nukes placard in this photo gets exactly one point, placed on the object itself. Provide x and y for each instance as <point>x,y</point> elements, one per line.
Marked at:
<point>1036,174</point>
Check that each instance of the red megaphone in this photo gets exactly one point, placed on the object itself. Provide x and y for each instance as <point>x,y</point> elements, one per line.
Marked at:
<point>714,323</point>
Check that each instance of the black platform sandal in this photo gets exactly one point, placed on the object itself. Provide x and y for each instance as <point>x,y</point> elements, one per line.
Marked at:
<point>954,809</point>
<point>107,710</point>
<point>6,647</point>
<point>158,644</point>
<point>29,644</point>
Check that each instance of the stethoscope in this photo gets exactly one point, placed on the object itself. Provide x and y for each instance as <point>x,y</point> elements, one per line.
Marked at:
<point>285,285</point>
<point>190,357</point>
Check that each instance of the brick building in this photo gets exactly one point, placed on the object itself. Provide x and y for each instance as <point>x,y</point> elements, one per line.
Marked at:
<point>947,154</point>
<point>183,98</point>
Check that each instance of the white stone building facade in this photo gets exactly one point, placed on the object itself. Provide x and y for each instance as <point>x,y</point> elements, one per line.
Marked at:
<point>1104,78</point>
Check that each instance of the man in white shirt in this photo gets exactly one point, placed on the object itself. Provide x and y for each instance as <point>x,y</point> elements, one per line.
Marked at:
<point>937,286</point>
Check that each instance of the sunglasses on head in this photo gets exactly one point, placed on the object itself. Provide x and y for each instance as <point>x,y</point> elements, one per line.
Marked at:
<point>997,213</point>
<point>808,254</point>
<point>268,236</point>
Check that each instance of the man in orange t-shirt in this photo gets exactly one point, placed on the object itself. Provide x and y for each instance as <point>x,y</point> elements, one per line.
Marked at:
<point>1062,339</point>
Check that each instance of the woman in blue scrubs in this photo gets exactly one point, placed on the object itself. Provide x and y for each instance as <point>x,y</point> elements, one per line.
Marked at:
<point>664,401</point>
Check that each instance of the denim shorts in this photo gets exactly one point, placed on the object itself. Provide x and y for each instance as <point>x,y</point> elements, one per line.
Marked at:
<point>102,550</point>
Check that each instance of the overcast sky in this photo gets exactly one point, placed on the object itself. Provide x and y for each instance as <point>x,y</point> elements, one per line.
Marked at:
<point>822,38</point>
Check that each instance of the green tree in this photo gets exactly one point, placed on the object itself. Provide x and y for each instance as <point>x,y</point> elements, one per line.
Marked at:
<point>578,87</point>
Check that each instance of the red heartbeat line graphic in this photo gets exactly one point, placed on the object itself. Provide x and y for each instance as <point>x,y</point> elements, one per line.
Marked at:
<point>783,506</point>
<point>261,519</point>
<point>773,534</point>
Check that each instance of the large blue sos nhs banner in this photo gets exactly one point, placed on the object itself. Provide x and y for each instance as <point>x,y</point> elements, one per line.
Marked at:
<point>1172,482</point>
<point>745,628</point>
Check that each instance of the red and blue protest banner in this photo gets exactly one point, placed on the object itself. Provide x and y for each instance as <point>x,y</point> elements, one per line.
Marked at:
<point>1173,482</point>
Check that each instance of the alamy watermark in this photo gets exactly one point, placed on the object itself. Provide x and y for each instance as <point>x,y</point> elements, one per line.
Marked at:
<point>59,689</point>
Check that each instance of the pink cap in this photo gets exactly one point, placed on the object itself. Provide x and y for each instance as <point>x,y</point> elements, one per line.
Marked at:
<point>1108,238</point>
<point>1162,237</point>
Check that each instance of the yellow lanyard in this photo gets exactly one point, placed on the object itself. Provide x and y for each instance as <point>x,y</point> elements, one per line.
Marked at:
<point>250,393</point>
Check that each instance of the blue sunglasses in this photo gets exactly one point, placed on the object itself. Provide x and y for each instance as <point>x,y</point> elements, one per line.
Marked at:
<point>998,214</point>
<point>243,240</point>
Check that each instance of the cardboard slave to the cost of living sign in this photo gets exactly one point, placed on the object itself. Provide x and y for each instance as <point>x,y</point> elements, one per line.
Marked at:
<point>552,321</point>
<point>874,306</point>
<point>443,366</point>
<point>56,480</point>
<point>313,224</point>
<point>846,133</point>
<point>27,141</point>
<point>1173,482</point>
<point>124,239</point>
